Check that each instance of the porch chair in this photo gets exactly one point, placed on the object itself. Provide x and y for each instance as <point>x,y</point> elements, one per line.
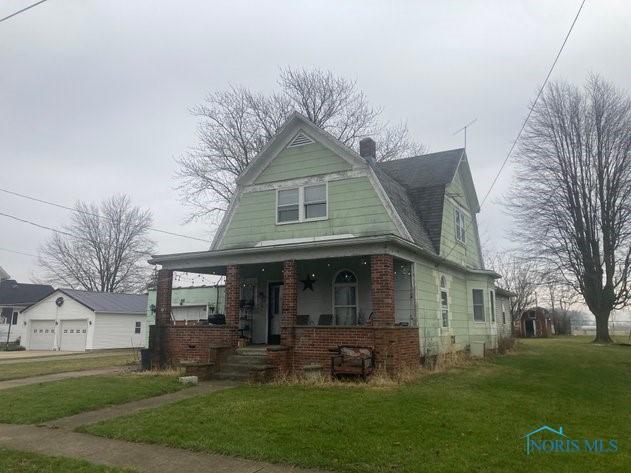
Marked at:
<point>303,319</point>
<point>325,319</point>
<point>353,360</point>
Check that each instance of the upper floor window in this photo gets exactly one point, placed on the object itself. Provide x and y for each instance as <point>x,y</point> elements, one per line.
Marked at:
<point>137,327</point>
<point>478,305</point>
<point>288,205</point>
<point>459,225</point>
<point>301,204</point>
<point>444,302</point>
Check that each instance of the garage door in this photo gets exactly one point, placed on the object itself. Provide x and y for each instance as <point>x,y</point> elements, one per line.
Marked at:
<point>42,335</point>
<point>73,334</point>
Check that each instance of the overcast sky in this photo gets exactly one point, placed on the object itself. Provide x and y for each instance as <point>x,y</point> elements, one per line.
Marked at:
<point>95,95</point>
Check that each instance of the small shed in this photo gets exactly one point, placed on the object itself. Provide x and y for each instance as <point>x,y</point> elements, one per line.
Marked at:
<point>74,320</point>
<point>534,322</point>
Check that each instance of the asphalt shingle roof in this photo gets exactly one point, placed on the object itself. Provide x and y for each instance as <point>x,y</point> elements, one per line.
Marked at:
<point>15,293</point>
<point>416,188</point>
<point>108,302</point>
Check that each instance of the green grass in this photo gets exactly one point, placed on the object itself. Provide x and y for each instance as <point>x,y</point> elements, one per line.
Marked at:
<point>61,364</point>
<point>467,420</point>
<point>23,462</point>
<point>41,402</point>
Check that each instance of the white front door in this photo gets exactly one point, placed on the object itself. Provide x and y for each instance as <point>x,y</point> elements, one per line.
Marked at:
<point>42,335</point>
<point>73,335</point>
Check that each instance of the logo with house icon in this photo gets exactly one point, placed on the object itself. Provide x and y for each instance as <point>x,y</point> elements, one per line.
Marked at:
<point>546,439</point>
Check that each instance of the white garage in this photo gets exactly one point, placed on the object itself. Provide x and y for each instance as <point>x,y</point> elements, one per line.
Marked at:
<point>74,320</point>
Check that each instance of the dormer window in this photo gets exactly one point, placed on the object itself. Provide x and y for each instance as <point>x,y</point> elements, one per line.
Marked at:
<point>301,204</point>
<point>459,225</point>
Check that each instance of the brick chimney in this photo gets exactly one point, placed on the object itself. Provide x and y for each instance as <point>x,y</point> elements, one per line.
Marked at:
<point>368,150</point>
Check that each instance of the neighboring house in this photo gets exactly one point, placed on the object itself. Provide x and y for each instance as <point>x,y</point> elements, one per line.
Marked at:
<point>74,320</point>
<point>534,322</point>
<point>502,315</point>
<point>14,297</point>
<point>322,246</point>
<point>189,304</point>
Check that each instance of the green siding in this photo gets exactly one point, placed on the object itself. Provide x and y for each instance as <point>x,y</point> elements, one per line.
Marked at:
<point>468,253</point>
<point>302,161</point>
<point>435,339</point>
<point>354,207</point>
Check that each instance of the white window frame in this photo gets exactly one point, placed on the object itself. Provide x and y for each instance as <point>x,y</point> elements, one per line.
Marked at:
<point>459,225</point>
<point>444,309</point>
<point>492,304</point>
<point>473,304</point>
<point>503,313</point>
<point>137,327</point>
<point>349,284</point>
<point>301,203</point>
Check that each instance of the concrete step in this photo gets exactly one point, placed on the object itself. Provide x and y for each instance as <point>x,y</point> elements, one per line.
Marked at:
<point>246,364</point>
<point>232,375</point>
<point>252,351</point>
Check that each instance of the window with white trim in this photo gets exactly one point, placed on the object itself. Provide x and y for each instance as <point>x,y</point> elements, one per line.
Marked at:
<point>345,298</point>
<point>288,205</point>
<point>137,327</point>
<point>478,305</point>
<point>444,302</point>
<point>503,314</point>
<point>492,301</point>
<point>315,201</point>
<point>301,204</point>
<point>459,225</point>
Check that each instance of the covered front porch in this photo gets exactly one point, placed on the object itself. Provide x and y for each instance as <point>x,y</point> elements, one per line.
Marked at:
<point>300,309</point>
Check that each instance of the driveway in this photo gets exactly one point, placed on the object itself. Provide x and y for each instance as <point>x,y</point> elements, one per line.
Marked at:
<point>42,355</point>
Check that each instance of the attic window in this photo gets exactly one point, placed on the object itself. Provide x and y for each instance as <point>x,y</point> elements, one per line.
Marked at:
<point>300,140</point>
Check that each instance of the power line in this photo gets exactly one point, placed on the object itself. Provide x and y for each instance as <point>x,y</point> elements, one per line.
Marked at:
<point>18,252</point>
<point>22,10</point>
<point>65,207</point>
<point>523,126</point>
<point>545,82</point>
<point>56,230</point>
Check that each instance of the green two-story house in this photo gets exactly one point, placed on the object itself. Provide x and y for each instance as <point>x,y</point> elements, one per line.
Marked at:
<point>323,246</point>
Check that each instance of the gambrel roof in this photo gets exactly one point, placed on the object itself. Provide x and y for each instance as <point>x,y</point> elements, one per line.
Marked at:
<point>423,180</point>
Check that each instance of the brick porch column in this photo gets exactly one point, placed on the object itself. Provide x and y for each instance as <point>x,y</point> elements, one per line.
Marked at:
<point>163,297</point>
<point>158,335</point>
<point>233,298</point>
<point>382,289</point>
<point>290,304</point>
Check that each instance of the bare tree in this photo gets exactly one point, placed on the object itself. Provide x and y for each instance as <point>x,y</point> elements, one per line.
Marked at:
<point>104,248</point>
<point>519,277</point>
<point>572,195</point>
<point>235,124</point>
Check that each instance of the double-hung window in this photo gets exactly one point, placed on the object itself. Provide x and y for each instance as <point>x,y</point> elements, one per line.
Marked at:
<point>444,302</point>
<point>492,301</point>
<point>301,204</point>
<point>478,305</point>
<point>137,327</point>
<point>288,205</point>
<point>459,225</point>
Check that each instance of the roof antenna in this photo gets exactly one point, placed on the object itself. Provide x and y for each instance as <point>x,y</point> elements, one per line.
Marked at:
<point>464,128</point>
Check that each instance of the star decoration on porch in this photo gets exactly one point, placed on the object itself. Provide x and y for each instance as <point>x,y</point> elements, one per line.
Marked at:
<point>307,283</point>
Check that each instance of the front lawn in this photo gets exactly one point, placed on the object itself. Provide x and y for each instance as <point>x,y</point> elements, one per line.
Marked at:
<point>470,419</point>
<point>28,368</point>
<point>41,402</point>
<point>22,462</point>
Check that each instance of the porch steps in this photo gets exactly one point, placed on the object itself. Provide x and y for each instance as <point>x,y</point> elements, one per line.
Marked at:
<point>245,364</point>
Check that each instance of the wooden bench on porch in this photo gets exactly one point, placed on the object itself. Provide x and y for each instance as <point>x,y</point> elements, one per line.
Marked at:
<point>353,360</point>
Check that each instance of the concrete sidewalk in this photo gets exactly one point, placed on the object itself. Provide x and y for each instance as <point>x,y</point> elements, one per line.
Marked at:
<point>91,417</point>
<point>116,453</point>
<point>12,383</point>
<point>33,356</point>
